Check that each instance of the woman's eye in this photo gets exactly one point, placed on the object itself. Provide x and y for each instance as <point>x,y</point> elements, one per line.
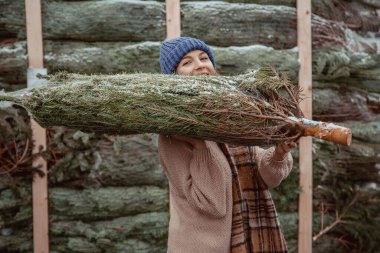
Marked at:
<point>204,58</point>
<point>185,63</point>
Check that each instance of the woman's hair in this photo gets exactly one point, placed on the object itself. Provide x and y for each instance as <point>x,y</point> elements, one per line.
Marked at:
<point>172,51</point>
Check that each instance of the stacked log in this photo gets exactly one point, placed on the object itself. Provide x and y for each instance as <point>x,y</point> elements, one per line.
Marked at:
<point>278,30</point>
<point>146,21</point>
<point>108,193</point>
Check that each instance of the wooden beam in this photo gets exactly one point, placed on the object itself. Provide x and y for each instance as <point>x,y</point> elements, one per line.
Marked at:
<point>305,145</point>
<point>173,25</point>
<point>34,33</point>
<point>40,194</point>
<point>40,184</point>
<point>173,19</point>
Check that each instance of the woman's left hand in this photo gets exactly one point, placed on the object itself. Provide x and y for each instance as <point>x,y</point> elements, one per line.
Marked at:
<point>282,149</point>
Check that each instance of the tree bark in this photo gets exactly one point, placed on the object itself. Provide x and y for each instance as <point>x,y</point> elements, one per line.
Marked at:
<point>359,70</point>
<point>217,23</point>
<point>78,159</point>
<point>82,160</point>
<point>89,20</point>
<point>145,232</point>
<point>357,15</point>
<point>226,26</point>
<point>80,57</point>
<point>291,3</point>
<point>106,203</point>
<point>339,104</point>
<point>68,206</point>
<point>87,205</point>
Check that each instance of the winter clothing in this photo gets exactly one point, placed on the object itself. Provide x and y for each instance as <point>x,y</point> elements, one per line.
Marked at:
<point>255,224</point>
<point>172,51</point>
<point>219,198</point>
<point>206,206</point>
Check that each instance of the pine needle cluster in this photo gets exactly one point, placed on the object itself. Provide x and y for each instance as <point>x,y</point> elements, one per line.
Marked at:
<point>252,108</point>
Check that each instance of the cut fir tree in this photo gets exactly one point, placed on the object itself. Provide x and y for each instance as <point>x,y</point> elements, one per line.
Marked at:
<point>256,108</point>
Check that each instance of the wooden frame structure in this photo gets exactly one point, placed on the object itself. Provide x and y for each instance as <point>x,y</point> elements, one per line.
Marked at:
<point>305,207</point>
<point>40,191</point>
<point>40,184</point>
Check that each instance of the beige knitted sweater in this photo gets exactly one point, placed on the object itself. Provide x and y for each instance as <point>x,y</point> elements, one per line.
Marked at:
<point>200,185</point>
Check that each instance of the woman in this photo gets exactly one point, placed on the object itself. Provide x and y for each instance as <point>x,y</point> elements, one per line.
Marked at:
<point>219,198</point>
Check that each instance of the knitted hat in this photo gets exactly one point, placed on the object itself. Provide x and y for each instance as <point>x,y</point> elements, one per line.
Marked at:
<point>172,51</point>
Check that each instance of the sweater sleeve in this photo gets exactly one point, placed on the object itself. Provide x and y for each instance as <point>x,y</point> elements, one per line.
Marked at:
<point>200,176</point>
<point>272,171</point>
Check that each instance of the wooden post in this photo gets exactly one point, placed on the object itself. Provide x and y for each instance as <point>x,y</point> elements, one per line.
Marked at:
<point>173,25</point>
<point>40,184</point>
<point>305,145</point>
<point>173,19</point>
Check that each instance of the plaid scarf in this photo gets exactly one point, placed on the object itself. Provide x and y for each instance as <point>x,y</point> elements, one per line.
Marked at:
<point>255,224</point>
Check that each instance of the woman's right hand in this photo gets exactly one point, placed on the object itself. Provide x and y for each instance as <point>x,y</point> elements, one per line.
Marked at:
<point>196,143</point>
<point>283,149</point>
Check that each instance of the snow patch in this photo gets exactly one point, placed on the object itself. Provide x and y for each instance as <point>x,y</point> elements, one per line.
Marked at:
<point>13,48</point>
<point>251,47</point>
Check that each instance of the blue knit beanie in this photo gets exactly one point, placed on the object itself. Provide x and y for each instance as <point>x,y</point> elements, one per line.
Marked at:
<point>172,51</point>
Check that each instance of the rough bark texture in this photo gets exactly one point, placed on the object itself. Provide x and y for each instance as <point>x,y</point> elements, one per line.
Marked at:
<point>89,21</point>
<point>144,232</point>
<point>103,160</point>
<point>345,183</point>
<point>87,173</point>
<point>361,16</point>
<point>107,58</point>
<point>75,213</point>
<point>87,205</point>
<point>217,23</point>
<point>360,70</point>
<point>338,104</point>
<point>224,24</point>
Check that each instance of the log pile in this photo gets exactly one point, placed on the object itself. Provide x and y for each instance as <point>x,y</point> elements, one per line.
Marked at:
<point>106,193</point>
<point>109,37</point>
<point>146,22</point>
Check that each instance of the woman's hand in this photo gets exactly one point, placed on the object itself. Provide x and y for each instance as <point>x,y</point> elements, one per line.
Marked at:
<point>282,149</point>
<point>196,143</point>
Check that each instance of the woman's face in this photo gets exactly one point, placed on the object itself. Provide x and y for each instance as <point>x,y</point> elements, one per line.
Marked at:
<point>196,62</point>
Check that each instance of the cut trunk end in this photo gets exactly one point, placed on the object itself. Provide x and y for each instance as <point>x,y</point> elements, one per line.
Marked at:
<point>323,130</point>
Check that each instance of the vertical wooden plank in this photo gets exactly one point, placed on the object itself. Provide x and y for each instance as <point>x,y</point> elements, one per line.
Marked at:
<point>173,25</point>
<point>173,19</point>
<point>34,33</point>
<point>40,184</point>
<point>305,145</point>
<point>40,195</point>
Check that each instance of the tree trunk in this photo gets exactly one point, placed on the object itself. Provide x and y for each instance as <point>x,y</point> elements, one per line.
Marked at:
<point>87,205</point>
<point>145,232</point>
<point>357,15</point>
<point>337,104</point>
<point>89,20</point>
<point>360,70</point>
<point>217,23</point>
<point>93,206</point>
<point>82,160</point>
